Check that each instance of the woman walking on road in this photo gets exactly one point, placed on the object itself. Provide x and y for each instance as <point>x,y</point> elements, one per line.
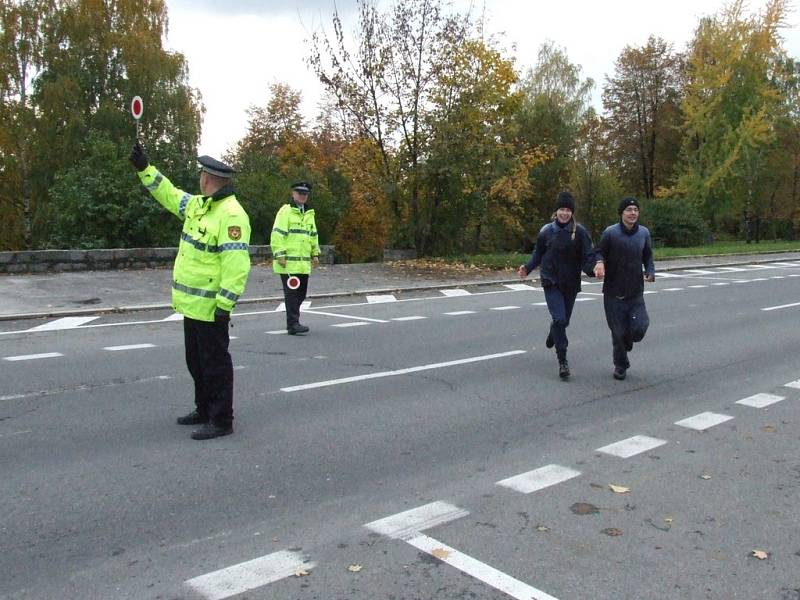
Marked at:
<point>563,249</point>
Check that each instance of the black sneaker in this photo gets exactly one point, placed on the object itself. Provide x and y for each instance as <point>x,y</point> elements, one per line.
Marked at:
<point>563,369</point>
<point>549,342</point>
<point>193,418</point>
<point>619,373</point>
<point>297,330</point>
<point>210,431</point>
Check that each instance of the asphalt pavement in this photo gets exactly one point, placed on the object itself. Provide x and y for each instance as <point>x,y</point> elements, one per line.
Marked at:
<point>94,292</point>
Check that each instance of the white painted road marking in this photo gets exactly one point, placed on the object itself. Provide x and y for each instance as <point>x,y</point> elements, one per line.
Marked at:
<point>538,479</point>
<point>410,522</point>
<point>731,269</point>
<point>478,570</point>
<point>450,363</point>
<point>792,305</point>
<point>248,575</point>
<point>721,283</point>
<point>64,323</point>
<point>33,356</point>
<point>699,272</point>
<point>327,314</point>
<point>381,298</point>
<point>128,347</point>
<point>703,421</point>
<point>276,332</point>
<point>454,292</point>
<point>356,324</point>
<point>632,446</point>
<point>504,308</point>
<point>460,312</point>
<point>697,287</point>
<point>673,289</point>
<point>414,318</point>
<point>173,317</point>
<point>793,384</point>
<point>760,400</point>
<point>519,287</point>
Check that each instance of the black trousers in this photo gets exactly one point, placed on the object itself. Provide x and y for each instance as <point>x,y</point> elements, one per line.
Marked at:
<point>293,299</point>
<point>628,321</point>
<point>211,367</point>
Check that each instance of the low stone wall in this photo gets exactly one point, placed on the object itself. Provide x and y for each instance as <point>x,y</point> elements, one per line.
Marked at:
<point>56,261</point>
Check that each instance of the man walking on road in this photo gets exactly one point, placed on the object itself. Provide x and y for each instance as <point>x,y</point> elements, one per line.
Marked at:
<point>209,276</point>
<point>295,245</point>
<point>623,249</point>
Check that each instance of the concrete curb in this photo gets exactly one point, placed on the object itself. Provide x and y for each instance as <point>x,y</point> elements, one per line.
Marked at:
<point>387,290</point>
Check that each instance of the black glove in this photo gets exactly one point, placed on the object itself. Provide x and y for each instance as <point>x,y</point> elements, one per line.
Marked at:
<point>221,315</point>
<point>138,158</point>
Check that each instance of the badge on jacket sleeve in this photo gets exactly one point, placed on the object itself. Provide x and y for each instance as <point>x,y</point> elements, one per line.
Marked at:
<point>234,232</point>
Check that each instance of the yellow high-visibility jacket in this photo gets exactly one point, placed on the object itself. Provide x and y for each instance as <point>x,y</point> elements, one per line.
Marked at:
<point>294,237</point>
<point>213,259</point>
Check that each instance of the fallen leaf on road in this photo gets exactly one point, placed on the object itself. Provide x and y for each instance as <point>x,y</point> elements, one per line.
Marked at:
<point>705,476</point>
<point>668,520</point>
<point>441,553</point>
<point>769,429</point>
<point>612,531</point>
<point>618,489</point>
<point>300,573</point>
<point>760,554</point>
<point>354,568</point>
<point>542,528</point>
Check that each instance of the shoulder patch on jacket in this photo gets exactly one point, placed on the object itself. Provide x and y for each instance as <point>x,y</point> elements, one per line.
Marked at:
<point>234,232</point>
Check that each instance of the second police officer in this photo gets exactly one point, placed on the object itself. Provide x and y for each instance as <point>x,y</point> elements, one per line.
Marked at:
<point>295,246</point>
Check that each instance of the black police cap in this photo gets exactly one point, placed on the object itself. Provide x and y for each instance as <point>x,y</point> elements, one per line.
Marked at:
<point>215,167</point>
<point>302,186</point>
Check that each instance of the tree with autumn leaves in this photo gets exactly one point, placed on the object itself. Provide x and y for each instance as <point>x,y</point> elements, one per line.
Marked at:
<point>430,135</point>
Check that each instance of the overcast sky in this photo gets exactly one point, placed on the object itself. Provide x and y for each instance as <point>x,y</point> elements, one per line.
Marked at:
<point>254,43</point>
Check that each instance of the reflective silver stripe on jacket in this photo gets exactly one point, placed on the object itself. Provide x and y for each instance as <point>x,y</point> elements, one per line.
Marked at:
<point>182,205</point>
<point>156,182</point>
<point>229,295</point>
<point>199,245</point>
<point>281,231</point>
<point>305,258</point>
<point>193,291</point>
<point>303,231</point>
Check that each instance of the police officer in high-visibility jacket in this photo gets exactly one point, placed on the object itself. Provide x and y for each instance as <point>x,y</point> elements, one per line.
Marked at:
<point>295,246</point>
<point>209,276</point>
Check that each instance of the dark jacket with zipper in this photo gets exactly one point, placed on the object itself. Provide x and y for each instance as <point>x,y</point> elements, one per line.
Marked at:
<point>624,251</point>
<point>562,252</point>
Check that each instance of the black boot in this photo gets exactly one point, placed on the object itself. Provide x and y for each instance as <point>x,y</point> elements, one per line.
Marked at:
<point>563,366</point>
<point>297,329</point>
<point>193,418</point>
<point>209,431</point>
<point>549,342</point>
<point>619,373</point>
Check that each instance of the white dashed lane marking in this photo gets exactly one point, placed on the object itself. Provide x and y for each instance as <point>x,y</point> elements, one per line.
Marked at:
<point>538,479</point>
<point>411,522</point>
<point>792,305</point>
<point>703,421</point>
<point>381,298</point>
<point>760,400</point>
<point>355,324</point>
<point>519,287</point>
<point>793,384</point>
<point>64,323</point>
<point>504,308</point>
<point>33,356</point>
<point>632,446</point>
<point>458,313</point>
<point>455,292</point>
<point>249,575</point>
<point>413,318</point>
<point>128,347</point>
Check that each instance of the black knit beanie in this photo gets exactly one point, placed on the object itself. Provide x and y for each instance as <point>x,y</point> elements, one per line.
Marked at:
<point>565,200</point>
<point>626,202</point>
